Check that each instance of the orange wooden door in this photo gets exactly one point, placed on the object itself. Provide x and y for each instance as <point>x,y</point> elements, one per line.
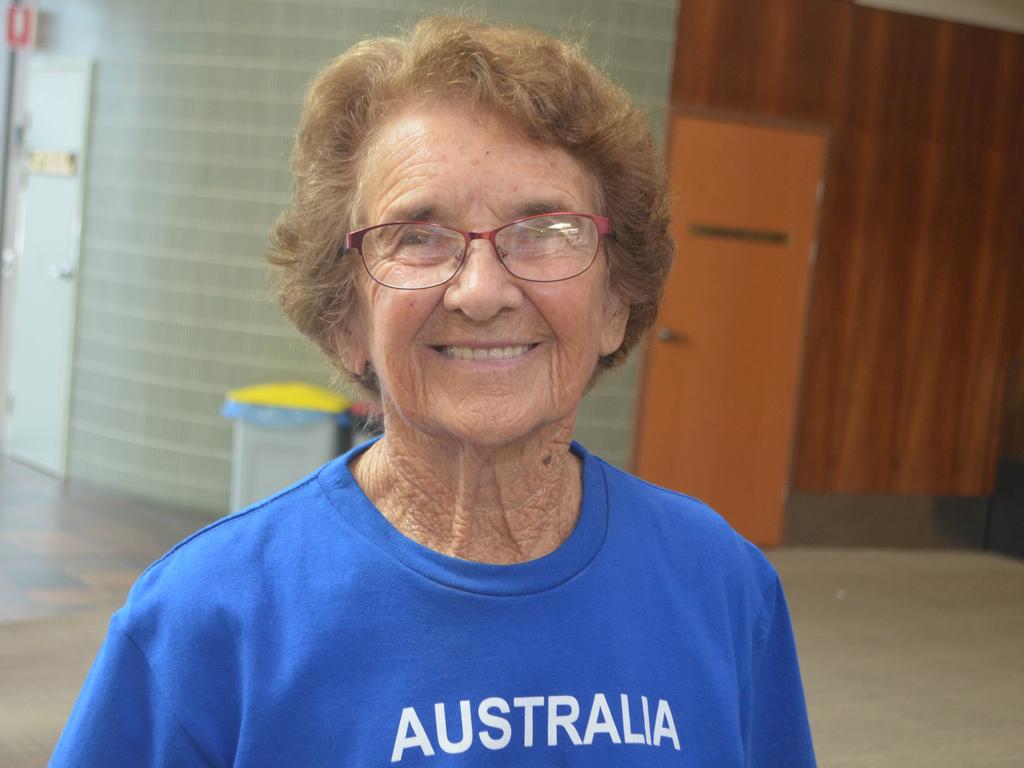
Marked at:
<point>720,388</point>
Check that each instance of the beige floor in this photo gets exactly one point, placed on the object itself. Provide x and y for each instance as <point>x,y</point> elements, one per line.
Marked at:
<point>910,659</point>
<point>42,665</point>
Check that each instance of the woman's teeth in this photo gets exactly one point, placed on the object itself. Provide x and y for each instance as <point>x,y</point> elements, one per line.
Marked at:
<point>492,353</point>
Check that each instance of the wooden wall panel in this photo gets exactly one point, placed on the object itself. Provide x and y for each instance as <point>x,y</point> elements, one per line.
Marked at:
<point>907,336</point>
<point>1011,446</point>
<point>916,305</point>
<point>782,59</point>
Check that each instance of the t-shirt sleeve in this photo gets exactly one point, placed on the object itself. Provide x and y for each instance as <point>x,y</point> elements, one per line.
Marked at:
<point>778,730</point>
<point>121,717</point>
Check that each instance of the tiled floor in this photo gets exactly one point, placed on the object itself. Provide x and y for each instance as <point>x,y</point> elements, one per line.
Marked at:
<point>66,548</point>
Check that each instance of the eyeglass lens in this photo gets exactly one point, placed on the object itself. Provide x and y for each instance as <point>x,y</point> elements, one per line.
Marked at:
<point>545,248</point>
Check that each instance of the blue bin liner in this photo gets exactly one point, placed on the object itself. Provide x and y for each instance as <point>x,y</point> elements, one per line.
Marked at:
<point>278,418</point>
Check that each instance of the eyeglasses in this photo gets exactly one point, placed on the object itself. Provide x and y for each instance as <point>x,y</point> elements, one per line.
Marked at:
<point>545,248</point>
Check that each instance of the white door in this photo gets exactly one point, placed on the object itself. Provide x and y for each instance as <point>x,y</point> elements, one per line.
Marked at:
<point>46,250</point>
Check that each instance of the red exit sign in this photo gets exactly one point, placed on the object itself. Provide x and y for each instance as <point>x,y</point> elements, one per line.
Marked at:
<point>21,27</point>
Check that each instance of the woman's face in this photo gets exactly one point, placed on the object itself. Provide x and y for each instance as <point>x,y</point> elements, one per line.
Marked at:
<point>446,165</point>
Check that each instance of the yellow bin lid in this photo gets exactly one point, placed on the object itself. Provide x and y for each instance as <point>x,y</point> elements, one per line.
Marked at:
<point>291,394</point>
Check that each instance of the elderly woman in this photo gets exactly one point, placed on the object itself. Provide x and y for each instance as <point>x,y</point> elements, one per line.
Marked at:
<point>478,232</point>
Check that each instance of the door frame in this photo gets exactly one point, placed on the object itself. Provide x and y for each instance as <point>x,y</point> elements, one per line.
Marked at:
<point>14,94</point>
<point>14,215</point>
<point>759,121</point>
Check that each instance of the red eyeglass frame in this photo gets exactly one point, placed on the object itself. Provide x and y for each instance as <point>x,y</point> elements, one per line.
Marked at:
<point>354,239</point>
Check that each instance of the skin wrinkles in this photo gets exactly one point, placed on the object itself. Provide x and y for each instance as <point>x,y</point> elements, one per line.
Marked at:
<point>475,461</point>
<point>489,514</point>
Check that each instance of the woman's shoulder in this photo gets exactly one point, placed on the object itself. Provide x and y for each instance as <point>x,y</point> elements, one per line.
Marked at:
<point>642,497</point>
<point>228,563</point>
<point>685,526</point>
<point>235,534</point>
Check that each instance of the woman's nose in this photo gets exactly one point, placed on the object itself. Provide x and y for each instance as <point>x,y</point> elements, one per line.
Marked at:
<point>483,287</point>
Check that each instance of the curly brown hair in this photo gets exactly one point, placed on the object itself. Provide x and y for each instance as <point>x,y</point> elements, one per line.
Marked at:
<point>541,88</point>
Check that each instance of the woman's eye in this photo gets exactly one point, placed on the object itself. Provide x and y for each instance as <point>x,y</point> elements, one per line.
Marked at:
<point>415,238</point>
<point>554,230</point>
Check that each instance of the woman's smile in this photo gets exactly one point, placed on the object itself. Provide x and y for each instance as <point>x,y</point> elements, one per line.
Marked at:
<point>489,353</point>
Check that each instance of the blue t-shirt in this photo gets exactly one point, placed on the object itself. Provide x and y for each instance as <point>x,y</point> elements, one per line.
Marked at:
<point>307,631</point>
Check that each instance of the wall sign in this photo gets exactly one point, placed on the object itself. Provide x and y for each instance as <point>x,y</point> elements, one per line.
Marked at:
<point>52,163</point>
<point>21,27</point>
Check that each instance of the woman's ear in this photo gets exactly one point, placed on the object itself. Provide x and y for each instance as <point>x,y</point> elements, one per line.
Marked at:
<point>615,318</point>
<point>348,341</point>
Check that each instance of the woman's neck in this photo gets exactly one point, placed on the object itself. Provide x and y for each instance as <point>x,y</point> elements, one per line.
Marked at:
<point>505,504</point>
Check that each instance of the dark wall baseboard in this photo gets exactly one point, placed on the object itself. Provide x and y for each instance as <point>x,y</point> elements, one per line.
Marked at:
<point>993,523</point>
<point>1006,517</point>
<point>865,520</point>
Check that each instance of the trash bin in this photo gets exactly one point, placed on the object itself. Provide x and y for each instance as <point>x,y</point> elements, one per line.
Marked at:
<point>282,432</point>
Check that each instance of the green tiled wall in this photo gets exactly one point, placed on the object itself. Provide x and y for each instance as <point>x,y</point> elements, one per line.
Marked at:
<point>195,103</point>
